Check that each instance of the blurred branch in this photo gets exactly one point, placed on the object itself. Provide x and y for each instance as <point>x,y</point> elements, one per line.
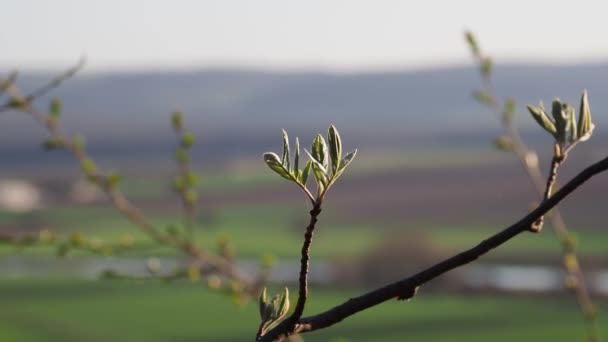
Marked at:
<point>108,182</point>
<point>529,161</point>
<point>34,95</point>
<point>186,181</point>
<point>406,288</point>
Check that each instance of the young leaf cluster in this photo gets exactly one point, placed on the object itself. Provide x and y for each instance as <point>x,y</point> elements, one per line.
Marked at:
<point>563,125</point>
<point>272,311</point>
<point>325,161</point>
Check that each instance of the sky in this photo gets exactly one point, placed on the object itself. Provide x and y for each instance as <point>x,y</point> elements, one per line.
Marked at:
<point>342,35</point>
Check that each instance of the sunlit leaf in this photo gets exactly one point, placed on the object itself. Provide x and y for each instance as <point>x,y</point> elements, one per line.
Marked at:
<point>585,124</point>
<point>273,161</point>
<point>335,148</point>
<point>285,159</point>
<point>542,119</point>
<point>319,151</point>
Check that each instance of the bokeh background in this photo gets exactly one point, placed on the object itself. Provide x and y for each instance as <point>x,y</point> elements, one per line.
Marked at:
<point>395,77</point>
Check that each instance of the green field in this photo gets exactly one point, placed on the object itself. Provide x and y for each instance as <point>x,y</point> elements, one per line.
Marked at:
<point>254,230</point>
<point>70,310</point>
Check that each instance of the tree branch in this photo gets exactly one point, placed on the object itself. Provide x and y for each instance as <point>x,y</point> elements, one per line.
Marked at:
<point>529,161</point>
<point>406,288</point>
<point>34,95</point>
<point>117,197</point>
<point>304,261</point>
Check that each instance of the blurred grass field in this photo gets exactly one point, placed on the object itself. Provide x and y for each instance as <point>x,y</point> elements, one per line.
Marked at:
<point>64,309</point>
<point>254,230</point>
<point>75,310</point>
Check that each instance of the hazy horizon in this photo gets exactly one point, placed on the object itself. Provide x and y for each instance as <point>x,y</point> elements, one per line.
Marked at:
<point>335,36</point>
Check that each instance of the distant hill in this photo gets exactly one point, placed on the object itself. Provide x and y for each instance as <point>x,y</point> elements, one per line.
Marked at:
<point>236,109</point>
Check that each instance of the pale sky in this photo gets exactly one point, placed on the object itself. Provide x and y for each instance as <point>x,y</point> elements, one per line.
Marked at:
<point>346,35</point>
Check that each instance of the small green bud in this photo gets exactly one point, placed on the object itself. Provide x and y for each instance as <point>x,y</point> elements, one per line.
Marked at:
<point>113,179</point>
<point>88,166</point>
<point>177,120</point>
<point>504,143</point>
<point>187,140</point>
<point>470,38</point>
<point>483,97</point>
<point>55,108</point>
<point>191,179</point>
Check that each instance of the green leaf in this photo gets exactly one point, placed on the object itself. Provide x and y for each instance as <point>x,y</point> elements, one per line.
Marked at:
<point>559,111</point>
<point>296,161</point>
<point>573,133</point>
<point>273,161</point>
<point>283,306</point>
<point>319,151</point>
<point>319,170</point>
<point>585,124</point>
<point>538,113</point>
<point>262,303</point>
<point>285,159</point>
<point>335,148</point>
<point>306,172</point>
<point>347,159</point>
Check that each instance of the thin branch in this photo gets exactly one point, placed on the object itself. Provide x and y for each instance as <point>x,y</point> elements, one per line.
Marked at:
<point>36,94</point>
<point>117,198</point>
<point>406,288</point>
<point>304,264</point>
<point>529,161</point>
<point>185,173</point>
<point>556,162</point>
